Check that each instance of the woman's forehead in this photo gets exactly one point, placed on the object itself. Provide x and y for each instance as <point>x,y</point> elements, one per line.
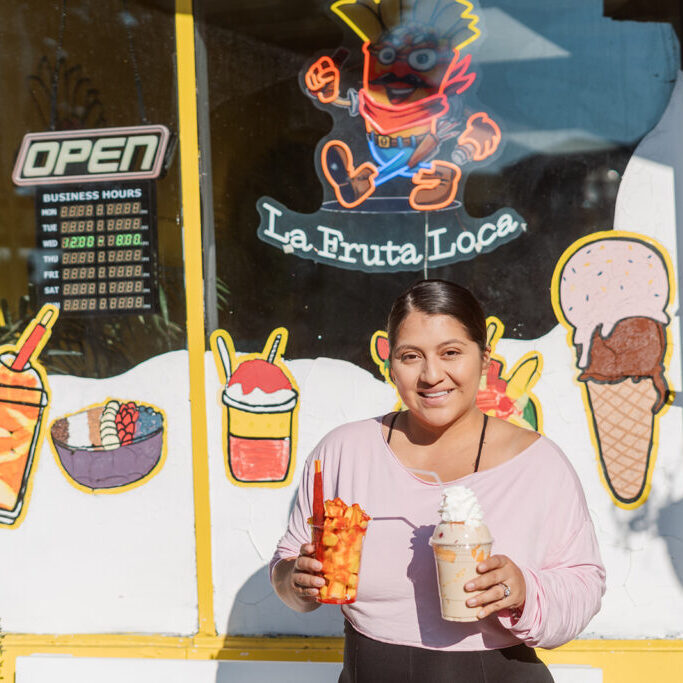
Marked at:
<point>431,326</point>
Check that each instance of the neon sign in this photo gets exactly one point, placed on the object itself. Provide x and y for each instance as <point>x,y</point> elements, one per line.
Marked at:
<point>130,153</point>
<point>393,170</point>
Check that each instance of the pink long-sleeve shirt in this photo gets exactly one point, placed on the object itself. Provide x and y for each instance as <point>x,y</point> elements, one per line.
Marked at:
<point>533,505</point>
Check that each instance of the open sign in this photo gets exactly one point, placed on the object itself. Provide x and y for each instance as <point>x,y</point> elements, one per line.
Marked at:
<point>130,153</point>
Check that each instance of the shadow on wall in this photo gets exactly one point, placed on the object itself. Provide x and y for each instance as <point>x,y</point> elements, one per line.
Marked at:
<point>257,611</point>
<point>256,604</point>
<point>669,527</point>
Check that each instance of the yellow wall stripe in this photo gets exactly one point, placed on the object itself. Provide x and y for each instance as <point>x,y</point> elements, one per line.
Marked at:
<point>192,247</point>
<point>622,661</point>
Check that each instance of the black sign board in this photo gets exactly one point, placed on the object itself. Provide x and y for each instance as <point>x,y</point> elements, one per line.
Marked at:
<point>97,247</point>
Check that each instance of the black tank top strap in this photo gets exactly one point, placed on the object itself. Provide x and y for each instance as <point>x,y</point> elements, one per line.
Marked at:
<point>391,426</point>
<point>481,443</point>
<point>481,439</point>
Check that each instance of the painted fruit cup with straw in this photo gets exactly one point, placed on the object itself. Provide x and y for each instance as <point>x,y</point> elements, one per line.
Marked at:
<point>23,398</point>
<point>260,402</point>
<point>337,532</point>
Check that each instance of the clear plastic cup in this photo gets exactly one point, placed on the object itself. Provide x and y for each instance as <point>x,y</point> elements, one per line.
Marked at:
<point>339,550</point>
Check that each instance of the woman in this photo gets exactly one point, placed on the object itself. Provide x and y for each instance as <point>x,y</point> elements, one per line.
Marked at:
<point>545,580</point>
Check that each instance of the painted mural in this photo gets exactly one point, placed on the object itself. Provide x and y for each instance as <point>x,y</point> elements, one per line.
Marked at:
<point>261,411</point>
<point>24,396</point>
<point>184,551</point>
<point>501,394</point>
<point>406,137</point>
<point>509,394</point>
<point>611,290</point>
<point>110,447</point>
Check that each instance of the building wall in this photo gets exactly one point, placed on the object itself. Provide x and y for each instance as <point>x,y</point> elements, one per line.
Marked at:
<point>172,564</point>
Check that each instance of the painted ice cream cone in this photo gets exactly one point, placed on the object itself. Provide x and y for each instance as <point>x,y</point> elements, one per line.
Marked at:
<point>613,291</point>
<point>624,424</point>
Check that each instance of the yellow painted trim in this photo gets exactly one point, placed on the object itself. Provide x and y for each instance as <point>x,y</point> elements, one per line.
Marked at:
<point>194,293</point>
<point>559,314</point>
<point>251,647</point>
<point>622,661</point>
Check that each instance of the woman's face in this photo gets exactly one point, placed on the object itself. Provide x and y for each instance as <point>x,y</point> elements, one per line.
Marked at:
<point>437,367</point>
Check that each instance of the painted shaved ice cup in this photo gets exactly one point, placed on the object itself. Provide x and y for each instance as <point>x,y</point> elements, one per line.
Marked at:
<point>259,438</point>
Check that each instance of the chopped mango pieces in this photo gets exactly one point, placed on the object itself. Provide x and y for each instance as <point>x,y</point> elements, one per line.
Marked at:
<point>330,538</point>
<point>340,544</point>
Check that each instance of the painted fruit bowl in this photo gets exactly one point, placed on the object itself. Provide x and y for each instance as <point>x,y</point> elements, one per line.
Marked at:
<point>109,445</point>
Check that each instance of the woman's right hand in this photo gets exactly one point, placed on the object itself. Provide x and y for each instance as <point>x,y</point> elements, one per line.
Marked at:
<point>305,578</point>
<point>296,580</point>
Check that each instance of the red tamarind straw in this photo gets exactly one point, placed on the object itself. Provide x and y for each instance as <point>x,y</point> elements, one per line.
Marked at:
<point>29,346</point>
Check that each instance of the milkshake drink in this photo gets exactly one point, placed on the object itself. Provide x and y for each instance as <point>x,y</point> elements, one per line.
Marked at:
<point>260,402</point>
<point>460,542</point>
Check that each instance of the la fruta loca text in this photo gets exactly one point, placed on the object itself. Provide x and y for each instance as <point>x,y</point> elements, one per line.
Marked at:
<point>440,244</point>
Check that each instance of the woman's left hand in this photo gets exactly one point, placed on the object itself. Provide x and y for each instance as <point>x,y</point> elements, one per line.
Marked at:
<point>496,573</point>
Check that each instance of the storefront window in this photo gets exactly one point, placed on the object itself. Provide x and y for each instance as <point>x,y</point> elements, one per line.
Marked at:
<point>570,96</point>
<point>352,148</point>
<point>78,66</point>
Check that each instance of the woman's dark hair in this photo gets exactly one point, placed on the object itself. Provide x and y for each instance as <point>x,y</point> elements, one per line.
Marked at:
<point>439,297</point>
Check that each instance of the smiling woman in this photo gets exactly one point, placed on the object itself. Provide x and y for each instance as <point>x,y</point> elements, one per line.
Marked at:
<point>545,579</point>
<point>437,368</point>
<point>437,361</point>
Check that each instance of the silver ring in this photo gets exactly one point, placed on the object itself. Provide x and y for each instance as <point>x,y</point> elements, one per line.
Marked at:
<point>506,589</point>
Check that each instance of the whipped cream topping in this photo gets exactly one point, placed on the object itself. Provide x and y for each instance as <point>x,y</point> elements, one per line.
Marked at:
<point>258,397</point>
<point>460,504</point>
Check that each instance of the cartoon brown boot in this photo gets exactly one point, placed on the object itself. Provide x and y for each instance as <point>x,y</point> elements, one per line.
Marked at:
<point>352,186</point>
<point>435,187</point>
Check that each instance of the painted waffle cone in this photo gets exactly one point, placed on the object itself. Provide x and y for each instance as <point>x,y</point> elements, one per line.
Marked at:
<point>623,423</point>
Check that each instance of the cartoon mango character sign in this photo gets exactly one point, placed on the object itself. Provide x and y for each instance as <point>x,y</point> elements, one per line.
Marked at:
<point>611,290</point>
<point>261,411</point>
<point>508,397</point>
<point>407,130</point>
<point>24,395</point>
<point>413,73</point>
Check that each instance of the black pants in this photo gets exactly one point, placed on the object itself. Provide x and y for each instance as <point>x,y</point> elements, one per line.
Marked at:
<point>370,661</point>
